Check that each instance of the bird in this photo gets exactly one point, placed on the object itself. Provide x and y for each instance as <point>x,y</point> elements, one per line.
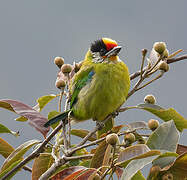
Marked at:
<point>101,85</point>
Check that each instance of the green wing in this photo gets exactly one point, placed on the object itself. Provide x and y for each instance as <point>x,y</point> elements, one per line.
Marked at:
<point>82,79</point>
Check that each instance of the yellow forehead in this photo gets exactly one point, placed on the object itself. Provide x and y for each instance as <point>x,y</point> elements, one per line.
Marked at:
<point>109,41</point>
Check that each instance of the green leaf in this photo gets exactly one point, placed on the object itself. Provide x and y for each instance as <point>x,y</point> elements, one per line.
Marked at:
<point>139,151</point>
<point>18,153</point>
<point>166,115</point>
<point>138,176</point>
<point>165,137</point>
<point>4,129</point>
<point>21,119</point>
<point>44,100</point>
<point>41,164</point>
<point>178,169</point>
<point>51,115</point>
<point>5,148</point>
<point>135,165</point>
<point>2,173</point>
<point>165,159</point>
<point>82,133</point>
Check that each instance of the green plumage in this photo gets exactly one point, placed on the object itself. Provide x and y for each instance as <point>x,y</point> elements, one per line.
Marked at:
<point>97,90</point>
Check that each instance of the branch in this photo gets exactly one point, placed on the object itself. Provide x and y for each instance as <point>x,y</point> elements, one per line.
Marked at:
<point>34,154</point>
<point>169,61</point>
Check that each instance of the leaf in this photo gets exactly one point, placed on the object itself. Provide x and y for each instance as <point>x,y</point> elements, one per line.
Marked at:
<point>44,100</point>
<point>107,157</point>
<point>41,164</point>
<point>181,149</point>
<point>98,157</point>
<point>135,165</point>
<point>117,129</point>
<point>4,129</point>
<point>137,151</point>
<point>166,115</point>
<point>178,169</point>
<point>165,159</point>
<point>68,172</point>
<point>5,148</point>
<point>138,176</point>
<point>35,118</point>
<point>82,133</point>
<point>2,173</point>
<point>86,174</point>
<point>119,172</point>
<point>137,125</point>
<point>18,153</point>
<point>165,137</point>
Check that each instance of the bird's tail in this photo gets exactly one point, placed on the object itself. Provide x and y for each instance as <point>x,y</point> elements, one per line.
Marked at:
<point>57,118</point>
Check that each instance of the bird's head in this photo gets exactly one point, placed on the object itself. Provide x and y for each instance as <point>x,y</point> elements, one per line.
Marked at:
<point>104,49</point>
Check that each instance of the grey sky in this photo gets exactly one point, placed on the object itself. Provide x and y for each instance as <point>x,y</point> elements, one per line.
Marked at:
<point>33,32</point>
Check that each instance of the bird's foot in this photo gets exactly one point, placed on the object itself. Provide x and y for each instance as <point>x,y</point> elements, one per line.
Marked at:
<point>115,114</point>
<point>100,125</point>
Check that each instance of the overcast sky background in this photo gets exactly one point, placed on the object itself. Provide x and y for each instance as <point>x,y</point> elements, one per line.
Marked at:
<point>33,32</point>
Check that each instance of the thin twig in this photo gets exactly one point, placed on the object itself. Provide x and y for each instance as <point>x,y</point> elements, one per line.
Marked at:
<point>157,77</point>
<point>144,52</point>
<point>170,60</point>
<point>26,168</point>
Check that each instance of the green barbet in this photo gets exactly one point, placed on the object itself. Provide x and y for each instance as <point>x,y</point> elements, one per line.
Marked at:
<point>100,86</point>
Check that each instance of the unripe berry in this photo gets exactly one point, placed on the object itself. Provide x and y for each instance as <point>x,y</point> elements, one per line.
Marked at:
<point>97,177</point>
<point>165,53</point>
<point>112,139</point>
<point>167,176</point>
<point>130,137</point>
<point>150,99</point>
<point>155,169</point>
<point>163,66</point>
<point>159,47</point>
<point>66,68</point>
<point>144,52</point>
<point>59,61</point>
<point>60,83</point>
<point>153,124</point>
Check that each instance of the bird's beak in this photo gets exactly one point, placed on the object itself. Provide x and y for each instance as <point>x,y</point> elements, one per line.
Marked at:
<point>113,52</point>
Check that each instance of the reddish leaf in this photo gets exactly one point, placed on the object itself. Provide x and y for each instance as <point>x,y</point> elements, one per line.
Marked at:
<point>119,172</point>
<point>73,176</point>
<point>85,174</point>
<point>40,165</point>
<point>35,118</point>
<point>181,149</point>
<point>69,172</point>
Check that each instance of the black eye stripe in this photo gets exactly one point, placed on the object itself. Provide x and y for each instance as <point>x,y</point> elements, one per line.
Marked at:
<point>98,45</point>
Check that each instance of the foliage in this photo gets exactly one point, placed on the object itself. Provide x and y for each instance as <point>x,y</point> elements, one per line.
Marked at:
<point>125,158</point>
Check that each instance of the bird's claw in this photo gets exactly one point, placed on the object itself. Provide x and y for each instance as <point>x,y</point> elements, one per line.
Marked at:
<point>100,125</point>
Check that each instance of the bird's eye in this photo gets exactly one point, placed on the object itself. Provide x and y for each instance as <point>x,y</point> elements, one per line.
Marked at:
<point>102,52</point>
